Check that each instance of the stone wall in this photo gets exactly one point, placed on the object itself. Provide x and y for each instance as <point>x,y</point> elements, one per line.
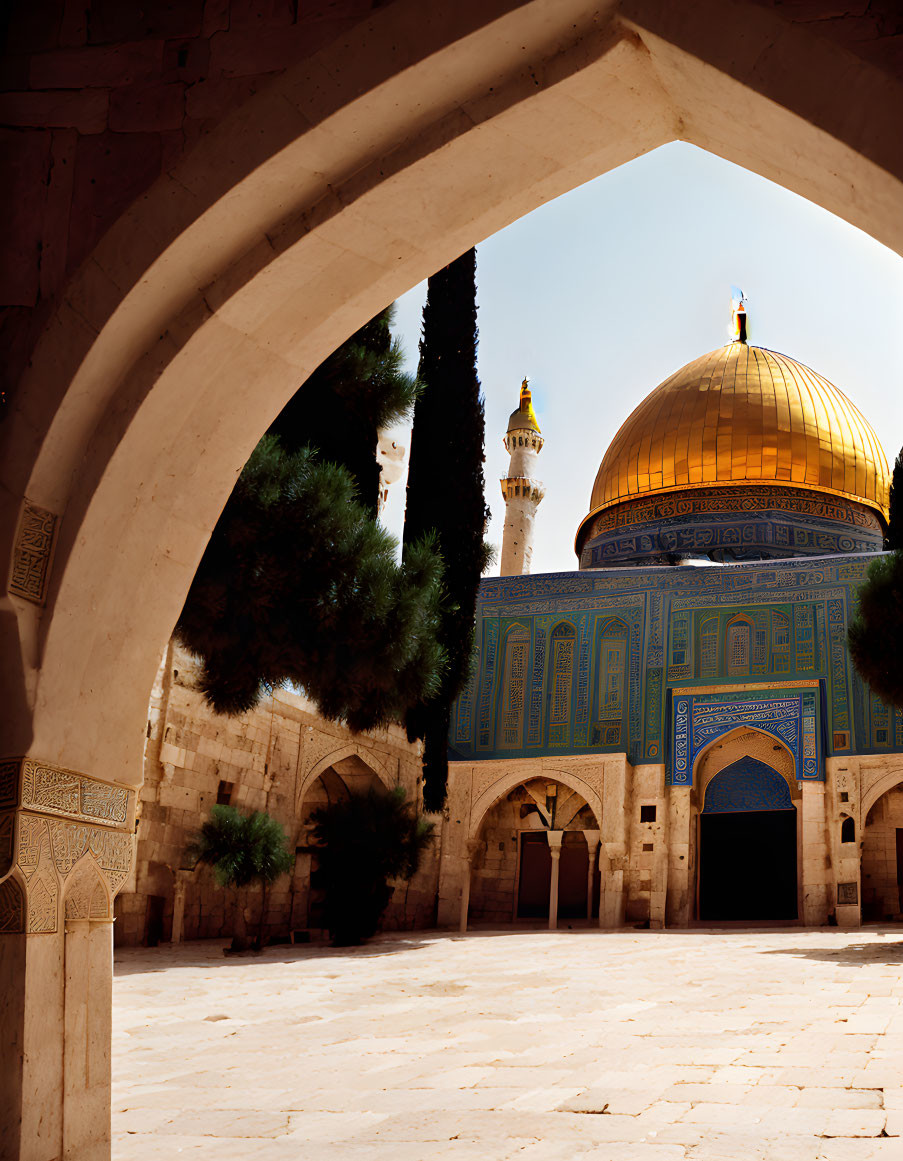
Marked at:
<point>274,758</point>
<point>880,889</point>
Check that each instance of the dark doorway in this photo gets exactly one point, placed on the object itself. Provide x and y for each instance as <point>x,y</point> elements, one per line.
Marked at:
<point>572,872</point>
<point>153,929</point>
<point>747,865</point>
<point>535,880</point>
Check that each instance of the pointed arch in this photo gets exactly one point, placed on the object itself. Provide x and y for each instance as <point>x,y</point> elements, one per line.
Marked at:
<point>512,691</point>
<point>349,750</point>
<point>509,779</point>
<point>86,894</point>
<point>560,682</point>
<point>739,635</point>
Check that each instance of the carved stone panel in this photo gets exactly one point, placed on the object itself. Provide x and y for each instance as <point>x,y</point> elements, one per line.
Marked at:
<point>112,849</point>
<point>32,553</point>
<point>52,790</point>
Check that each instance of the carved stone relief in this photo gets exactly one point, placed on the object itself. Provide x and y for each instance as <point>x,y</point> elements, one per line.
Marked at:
<point>32,553</point>
<point>55,791</point>
<point>43,891</point>
<point>12,907</point>
<point>86,894</point>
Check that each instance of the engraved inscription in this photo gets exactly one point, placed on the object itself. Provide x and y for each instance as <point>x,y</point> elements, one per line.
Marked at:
<point>46,788</point>
<point>104,802</point>
<point>55,791</point>
<point>31,555</point>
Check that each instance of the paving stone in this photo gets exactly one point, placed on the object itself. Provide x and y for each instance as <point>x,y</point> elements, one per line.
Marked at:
<point>758,1046</point>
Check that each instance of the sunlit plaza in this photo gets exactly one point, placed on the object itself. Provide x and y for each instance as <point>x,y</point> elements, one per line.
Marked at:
<point>620,1046</point>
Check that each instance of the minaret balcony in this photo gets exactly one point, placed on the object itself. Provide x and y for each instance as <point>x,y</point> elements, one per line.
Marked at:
<point>522,488</point>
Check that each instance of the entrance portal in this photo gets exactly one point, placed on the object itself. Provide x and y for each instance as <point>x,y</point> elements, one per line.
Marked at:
<point>747,845</point>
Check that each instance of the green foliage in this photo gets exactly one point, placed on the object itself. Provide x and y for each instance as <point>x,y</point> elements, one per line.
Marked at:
<point>447,445</point>
<point>299,582</point>
<point>894,538</point>
<point>340,409</point>
<point>875,635</point>
<point>241,849</point>
<point>364,840</point>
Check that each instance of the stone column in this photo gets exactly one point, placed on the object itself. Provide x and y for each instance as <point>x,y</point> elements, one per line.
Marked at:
<point>814,854</point>
<point>613,853</point>
<point>680,878</point>
<point>592,846</point>
<point>554,837</point>
<point>66,847</point>
<point>178,908</point>
<point>474,847</point>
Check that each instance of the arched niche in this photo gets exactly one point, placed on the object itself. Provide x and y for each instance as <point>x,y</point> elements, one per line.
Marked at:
<point>508,780</point>
<point>511,857</point>
<point>881,857</point>
<point>86,894</point>
<point>745,836</point>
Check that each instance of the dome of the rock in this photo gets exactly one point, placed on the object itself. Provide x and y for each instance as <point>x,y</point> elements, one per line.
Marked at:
<point>741,454</point>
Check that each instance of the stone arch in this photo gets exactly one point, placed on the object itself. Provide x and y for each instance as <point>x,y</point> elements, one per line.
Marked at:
<point>86,895</point>
<point>509,780</point>
<point>768,751</point>
<point>881,785</point>
<point>337,755</point>
<point>273,238</point>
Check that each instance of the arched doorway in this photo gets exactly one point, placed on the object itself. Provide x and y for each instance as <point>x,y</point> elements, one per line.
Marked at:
<point>747,845</point>
<point>535,853</point>
<point>346,775</point>
<point>882,859</point>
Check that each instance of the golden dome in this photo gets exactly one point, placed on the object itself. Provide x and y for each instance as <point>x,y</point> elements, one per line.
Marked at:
<point>743,414</point>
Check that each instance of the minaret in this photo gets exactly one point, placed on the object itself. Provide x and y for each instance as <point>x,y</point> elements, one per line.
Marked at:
<point>521,489</point>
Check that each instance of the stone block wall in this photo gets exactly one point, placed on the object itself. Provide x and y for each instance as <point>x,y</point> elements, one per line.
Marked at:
<point>269,759</point>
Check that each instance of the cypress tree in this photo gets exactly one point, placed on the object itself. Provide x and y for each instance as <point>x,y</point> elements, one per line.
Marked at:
<point>445,493</point>
<point>894,538</point>
<point>299,582</point>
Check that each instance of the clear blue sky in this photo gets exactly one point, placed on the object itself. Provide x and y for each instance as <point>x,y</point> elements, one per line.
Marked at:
<point>603,293</point>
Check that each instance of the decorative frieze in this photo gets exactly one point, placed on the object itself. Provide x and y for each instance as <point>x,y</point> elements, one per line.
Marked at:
<point>32,553</point>
<point>47,789</point>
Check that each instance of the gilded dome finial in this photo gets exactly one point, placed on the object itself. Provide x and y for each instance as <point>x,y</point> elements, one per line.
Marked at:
<point>738,315</point>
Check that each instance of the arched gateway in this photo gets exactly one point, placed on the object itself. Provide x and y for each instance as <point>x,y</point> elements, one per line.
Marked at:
<point>747,845</point>
<point>285,188</point>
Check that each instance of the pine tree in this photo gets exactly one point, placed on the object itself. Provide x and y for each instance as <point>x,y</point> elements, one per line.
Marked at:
<point>875,635</point>
<point>894,538</point>
<point>364,841</point>
<point>340,409</point>
<point>299,582</point>
<point>445,492</point>
<point>242,849</point>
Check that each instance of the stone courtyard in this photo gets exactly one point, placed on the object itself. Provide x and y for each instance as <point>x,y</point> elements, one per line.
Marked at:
<point>715,1045</point>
